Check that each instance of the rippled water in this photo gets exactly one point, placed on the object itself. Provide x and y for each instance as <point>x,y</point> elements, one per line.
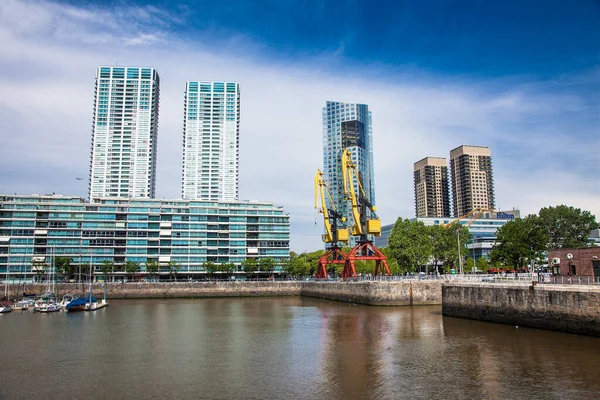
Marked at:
<point>286,348</point>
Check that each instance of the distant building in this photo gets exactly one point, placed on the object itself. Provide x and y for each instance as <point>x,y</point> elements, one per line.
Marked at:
<point>124,133</point>
<point>594,239</point>
<point>471,179</point>
<point>483,231</point>
<point>35,228</point>
<point>432,197</point>
<point>211,127</point>
<point>347,126</point>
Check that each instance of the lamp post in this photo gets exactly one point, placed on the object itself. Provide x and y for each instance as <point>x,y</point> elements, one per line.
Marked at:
<point>7,268</point>
<point>460,269</point>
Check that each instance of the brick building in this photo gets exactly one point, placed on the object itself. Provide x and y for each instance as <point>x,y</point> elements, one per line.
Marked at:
<point>584,261</point>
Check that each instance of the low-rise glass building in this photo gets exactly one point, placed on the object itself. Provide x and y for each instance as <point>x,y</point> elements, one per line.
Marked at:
<point>35,228</point>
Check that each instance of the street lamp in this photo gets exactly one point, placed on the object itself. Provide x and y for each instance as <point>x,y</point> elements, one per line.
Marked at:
<point>460,270</point>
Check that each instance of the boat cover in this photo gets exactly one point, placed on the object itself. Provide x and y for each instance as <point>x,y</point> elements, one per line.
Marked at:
<point>80,301</point>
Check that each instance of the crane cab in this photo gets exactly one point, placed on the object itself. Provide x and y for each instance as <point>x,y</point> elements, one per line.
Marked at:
<point>374,227</point>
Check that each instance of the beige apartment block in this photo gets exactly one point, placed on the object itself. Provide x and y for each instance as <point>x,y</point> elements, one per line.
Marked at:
<point>432,198</point>
<point>471,179</point>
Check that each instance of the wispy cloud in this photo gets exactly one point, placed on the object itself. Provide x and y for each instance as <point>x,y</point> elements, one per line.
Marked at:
<point>543,135</point>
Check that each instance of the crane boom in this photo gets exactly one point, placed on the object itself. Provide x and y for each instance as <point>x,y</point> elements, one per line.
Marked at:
<point>475,213</point>
<point>362,224</point>
<point>330,215</point>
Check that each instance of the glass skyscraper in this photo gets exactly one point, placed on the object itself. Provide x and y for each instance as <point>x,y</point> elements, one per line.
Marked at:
<point>347,126</point>
<point>124,133</point>
<point>211,141</point>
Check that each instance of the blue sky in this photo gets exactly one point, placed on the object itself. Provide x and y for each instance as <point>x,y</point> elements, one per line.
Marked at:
<point>475,38</point>
<point>521,77</point>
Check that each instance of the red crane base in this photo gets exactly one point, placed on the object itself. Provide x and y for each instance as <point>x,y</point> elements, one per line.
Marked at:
<point>368,252</point>
<point>334,255</point>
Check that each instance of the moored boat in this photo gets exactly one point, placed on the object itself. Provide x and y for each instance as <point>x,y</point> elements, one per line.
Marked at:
<point>67,298</point>
<point>79,304</point>
<point>24,305</point>
<point>5,307</point>
<point>49,307</point>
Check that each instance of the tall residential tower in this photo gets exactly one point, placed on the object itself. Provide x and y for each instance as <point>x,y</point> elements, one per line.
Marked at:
<point>211,127</point>
<point>124,133</point>
<point>472,181</point>
<point>432,196</point>
<point>347,125</point>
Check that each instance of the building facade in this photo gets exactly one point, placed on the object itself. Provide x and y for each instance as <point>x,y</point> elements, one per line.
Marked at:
<point>124,133</point>
<point>211,141</point>
<point>432,196</point>
<point>581,262</point>
<point>34,228</point>
<point>347,126</point>
<point>472,179</point>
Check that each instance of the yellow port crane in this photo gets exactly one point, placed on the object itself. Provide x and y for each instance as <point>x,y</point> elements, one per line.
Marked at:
<point>362,225</point>
<point>365,223</point>
<point>333,233</point>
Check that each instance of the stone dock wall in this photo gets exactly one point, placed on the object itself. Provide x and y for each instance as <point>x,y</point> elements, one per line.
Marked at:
<point>363,292</point>
<point>377,293</point>
<point>573,309</point>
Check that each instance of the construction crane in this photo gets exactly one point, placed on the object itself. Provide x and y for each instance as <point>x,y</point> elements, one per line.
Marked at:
<point>474,214</point>
<point>334,234</point>
<point>365,222</point>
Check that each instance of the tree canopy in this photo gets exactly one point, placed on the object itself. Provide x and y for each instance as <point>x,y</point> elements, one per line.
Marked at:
<point>519,241</point>
<point>567,227</point>
<point>412,245</point>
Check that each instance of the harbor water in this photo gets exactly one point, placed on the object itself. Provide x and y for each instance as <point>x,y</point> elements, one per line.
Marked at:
<point>286,348</point>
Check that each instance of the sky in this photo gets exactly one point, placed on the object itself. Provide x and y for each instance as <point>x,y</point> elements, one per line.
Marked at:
<point>522,77</point>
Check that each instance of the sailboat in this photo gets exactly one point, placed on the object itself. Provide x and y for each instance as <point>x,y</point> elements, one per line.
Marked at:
<point>48,302</point>
<point>92,304</point>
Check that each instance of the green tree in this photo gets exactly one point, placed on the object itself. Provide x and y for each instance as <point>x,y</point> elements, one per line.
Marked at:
<point>297,266</point>
<point>40,268</point>
<point>410,244</point>
<point>131,267</point>
<point>267,264</point>
<point>227,267</point>
<point>174,268</point>
<point>469,265</point>
<point>64,267</point>
<point>456,236</point>
<point>364,267</point>
<point>152,267</point>
<point>482,264</point>
<point>519,241</point>
<point>567,227</point>
<point>250,264</point>
<point>210,267</point>
<point>391,261</point>
<point>106,267</point>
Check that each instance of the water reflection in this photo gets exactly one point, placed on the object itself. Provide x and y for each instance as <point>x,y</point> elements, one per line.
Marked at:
<point>296,348</point>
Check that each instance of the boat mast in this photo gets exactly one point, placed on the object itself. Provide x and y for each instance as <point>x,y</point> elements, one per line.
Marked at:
<point>90,277</point>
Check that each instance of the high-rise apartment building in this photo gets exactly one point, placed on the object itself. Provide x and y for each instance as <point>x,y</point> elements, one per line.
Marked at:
<point>472,181</point>
<point>211,141</point>
<point>124,133</point>
<point>347,126</point>
<point>432,196</point>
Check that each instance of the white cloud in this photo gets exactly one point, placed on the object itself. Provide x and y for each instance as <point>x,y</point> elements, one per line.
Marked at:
<point>50,53</point>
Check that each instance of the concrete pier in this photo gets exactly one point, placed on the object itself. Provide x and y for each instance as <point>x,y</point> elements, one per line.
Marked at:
<point>573,309</point>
